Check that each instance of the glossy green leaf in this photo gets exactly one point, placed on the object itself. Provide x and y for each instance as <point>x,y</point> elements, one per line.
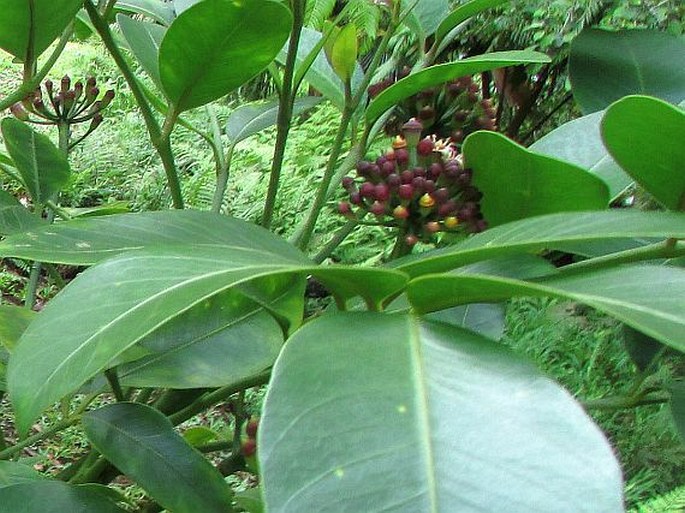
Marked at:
<point>462,13</point>
<point>487,319</point>
<point>42,20</point>
<point>183,5</point>
<point>517,183</point>
<point>15,217</point>
<point>157,10</point>
<point>106,209</point>
<point>43,167</point>
<point>224,339</point>
<point>579,142</point>
<point>546,232</point>
<point>203,55</point>
<point>441,73</point>
<point>109,308</point>
<point>376,412</point>
<point>142,443</point>
<point>645,136</point>
<point>605,66</point>
<point>13,472</point>
<point>649,298</point>
<point>199,435</point>
<point>426,14</point>
<point>144,39</point>
<point>36,496</point>
<point>343,52</point>
<point>678,406</point>
<point>251,118</point>
<point>13,322</point>
<point>89,240</point>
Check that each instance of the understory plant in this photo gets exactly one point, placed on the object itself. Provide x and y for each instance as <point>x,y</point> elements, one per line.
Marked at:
<point>398,396</point>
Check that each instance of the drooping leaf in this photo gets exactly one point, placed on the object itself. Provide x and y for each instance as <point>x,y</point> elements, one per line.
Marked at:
<point>43,167</point>
<point>462,13</point>
<point>89,240</point>
<point>251,118</point>
<point>645,136</point>
<point>109,308</point>
<point>203,55</point>
<point>374,412</point>
<point>34,497</point>
<point>157,10</point>
<point>517,183</point>
<point>222,340</point>
<point>579,142</point>
<point>13,472</point>
<point>144,39</point>
<point>545,232</point>
<point>42,20</point>
<point>142,443</point>
<point>678,406</point>
<point>441,73</point>
<point>342,54</point>
<point>13,322</point>
<point>605,66</point>
<point>15,217</point>
<point>649,298</point>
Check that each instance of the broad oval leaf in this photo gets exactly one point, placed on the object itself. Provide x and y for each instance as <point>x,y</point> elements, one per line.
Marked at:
<point>343,52</point>
<point>517,183</point>
<point>546,232</point>
<point>251,118</point>
<point>649,298</point>
<point>203,55</point>
<point>33,498</point>
<point>605,66</point>
<point>42,20</point>
<point>586,151</point>
<point>441,73</point>
<point>462,13</point>
<point>109,308</point>
<point>376,412</point>
<point>13,472</point>
<point>43,167</point>
<point>89,240</point>
<point>144,39</point>
<point>142,443</point>
<point>645,136</point>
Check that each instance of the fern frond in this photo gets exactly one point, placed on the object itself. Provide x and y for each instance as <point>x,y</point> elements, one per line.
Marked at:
<point>672,502</point>
<point>317,12</point>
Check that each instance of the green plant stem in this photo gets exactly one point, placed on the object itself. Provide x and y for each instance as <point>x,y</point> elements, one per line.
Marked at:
<point>85,468</point>
<point>113,379</point>
<point>160,140</point>
<point>624,402</point>
<point>651,252</point>
<point>335,241</point>
<point>56,428</point>
<point>218,395</point>
<point>222,180</point>
<point>223,445</point>
<point>285,112</point>
<point>144,395</point>
<point>28,86</point>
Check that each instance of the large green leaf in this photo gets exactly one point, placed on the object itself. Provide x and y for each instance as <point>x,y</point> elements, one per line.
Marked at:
<point>377,412</point>
<point>110,307</point>
<point>13,322</point>
<point>49,495</point>
<point>142,443</point>
<point>216,46</point>
<point>144,39</point>
<point>15,217</point>
<point>462,13</point>
<point>251,118</point>
<point>426,15</point>
<point>441,73</point>
<point>224,339</point>
<point>12,472</point>
<point>649,298</point>
<point>586,150</point>
<point>517,183</point>
<point>546,232</point>
<point>42,20</point>
<point>605,66</point>
<point>158,10</point>
<point>645,136</point>
<point>43,167</point>
<point>87,241</point>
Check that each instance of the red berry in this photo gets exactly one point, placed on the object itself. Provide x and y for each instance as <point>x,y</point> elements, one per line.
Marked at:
<point>400,212</point>
<point>356,198</point>
<point>432,227</point>
<point>377,208</point>
<point>406,176</point>
<point>249,447</point>
<point>411,240</point>
<point>405,191</point>
<point>393,181</point>
<point>344,208</point>
<point>401,156</point>
<point>425,147</point>
<point>442,194</point>
<point>367,190</point>
<point>435,170</point>
<point>251,427</point>
<point>387,167</point>
<point>348,183</point>
<point>382,192</point>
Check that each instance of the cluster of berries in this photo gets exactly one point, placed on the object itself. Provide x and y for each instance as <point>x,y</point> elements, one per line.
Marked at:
<point>451,111</point>
<point>419,186</point>
<point>64,104</point>
<point>249,445</point>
